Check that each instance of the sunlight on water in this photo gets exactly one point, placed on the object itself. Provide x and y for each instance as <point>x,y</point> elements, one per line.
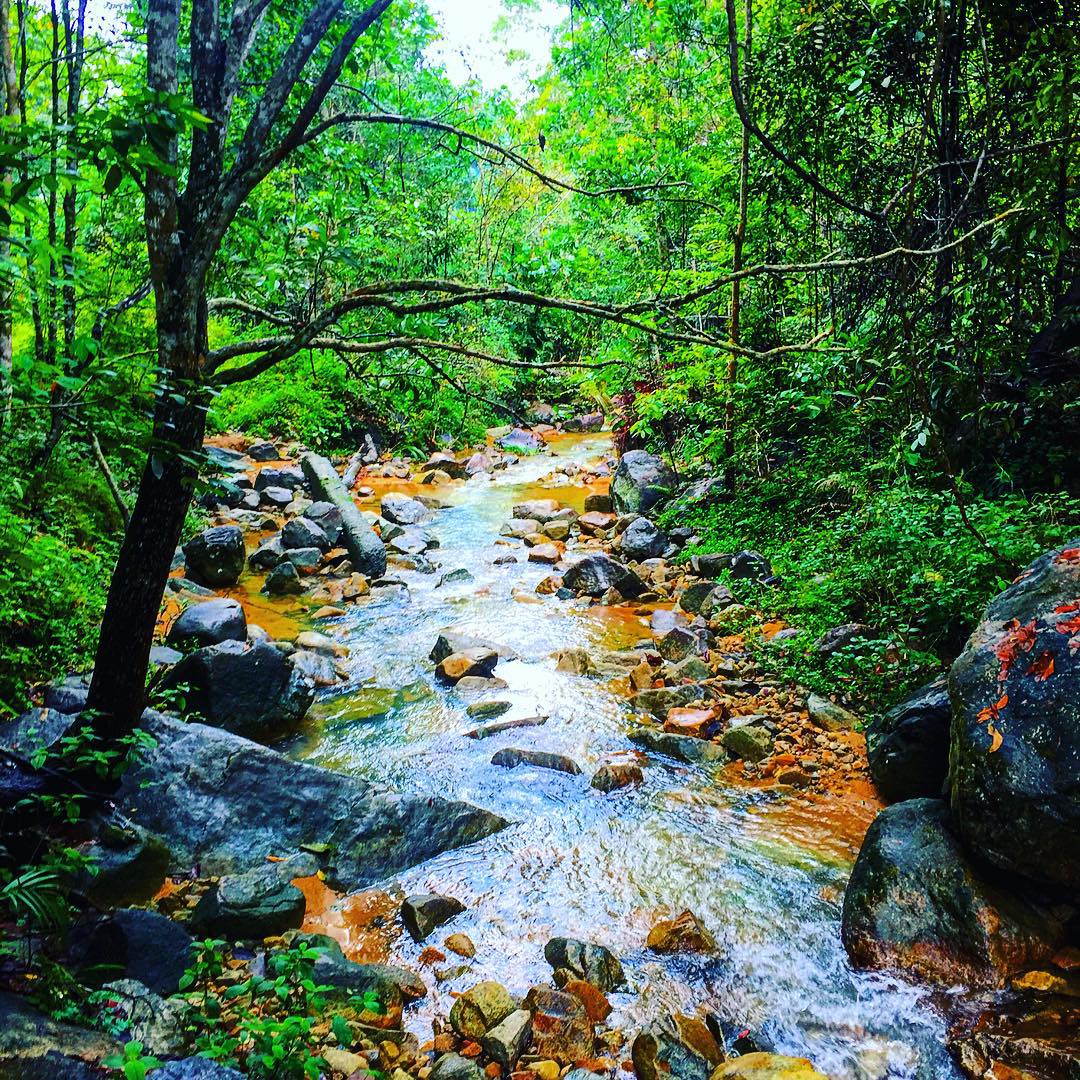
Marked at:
<point>765,878</point>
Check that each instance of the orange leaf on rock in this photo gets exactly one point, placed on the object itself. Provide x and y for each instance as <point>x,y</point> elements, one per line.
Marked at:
<point>996,739</point>
<point>992,712</point>
<point>1042,667</point>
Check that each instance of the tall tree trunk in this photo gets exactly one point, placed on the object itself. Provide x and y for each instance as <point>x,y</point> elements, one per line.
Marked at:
<point>10,91</point>
<point>735,324</point>
<point>118,688</point>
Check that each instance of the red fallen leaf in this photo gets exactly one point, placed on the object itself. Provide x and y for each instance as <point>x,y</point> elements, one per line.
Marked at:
<point>1018,639</point>
<point>1069,555</point>
<point>1069,626</point>
<point>1042,667</point>
<point>1064,609</point>
<point>992,712</point>
<point>996,739</point>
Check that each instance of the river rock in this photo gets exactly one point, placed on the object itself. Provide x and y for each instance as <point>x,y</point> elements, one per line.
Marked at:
<point>908,747</point>
<point>595,523</point>
<point>575,661</point>
<point>151,1020</point>
<point>256,904</point>
<point>403,510</point>
<point>455,1067</point>
<point>267,555</point>
<point>750,565</point>
<point>642,540</point>
<point>366,551</point>
<point>424,912</point>
<point>519,528</point>
<point>487,730</point>
<point>250,690</point>
<point>693,596</point>
<point>450,640</point>
<point>509,1039</point>
<point>840,637</point>
<point>262,451</point>
<point>556,530</point>
<point>585,422</point>
<point>129,865</point>
<point>613,775</point>
<point>915,901</point>
<point>681,747</point>
<point>68,693</point>
<point>134,944</point>
<point>216,556</point>
<point>659,700</point>
<point>301,533</point>
<point>640,482</point>
<point>520,439</point>
<point>541,510</point>
<point>479,463</point>
<point>675,1047</point>
<point>33,1046</point>
<point>750,742</point>
<point>36,729</point>
<point>679,643</point>
<point>683,934</point>
<point>828,715</point>
<point>225,803</point>
<point>283,580</point>
<point>196,1068</point>
<point>1014,758</point>
<point>761,1066</point>
<point>477,662</point>
<point>276,498</point>
<point>207,623</point>
<point>718,599</point>
<point>594,963</point>
<point>594,575</point>
<point>328,517</point>
<point>478,1010</point>
<point>560,1026</point>
<point>596,502</point>
<point>512,756</point>
<point>288,476</point>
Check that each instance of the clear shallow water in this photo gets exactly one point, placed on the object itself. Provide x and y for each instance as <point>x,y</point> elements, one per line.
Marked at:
<point>765,879</point>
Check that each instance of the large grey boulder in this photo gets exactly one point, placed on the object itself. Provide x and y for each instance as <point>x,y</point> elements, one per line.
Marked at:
<point>301,533</point>
<point>207,623</point>
<point>134,944</point>
<point>916,901</point>
<point>1014,756</point>
<point>642,540</point>
<point>595,574</point>
<point>34,1046</point>
<point>225,803</point>
<point>36,729</point>
<point>366,551</point>
<point>908,747</point>
<point>328,517</point>
<point>196,1068</point>
<point>216,556</point>
<point>252,690</point>
<point>596,964</point>
<point>403,509</point>
<point>640,482</point>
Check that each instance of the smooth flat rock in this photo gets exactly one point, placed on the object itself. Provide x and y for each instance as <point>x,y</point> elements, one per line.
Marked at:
<point>227,803</point>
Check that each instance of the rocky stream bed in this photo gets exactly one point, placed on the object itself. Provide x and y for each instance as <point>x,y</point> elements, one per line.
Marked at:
<point>515,739</point>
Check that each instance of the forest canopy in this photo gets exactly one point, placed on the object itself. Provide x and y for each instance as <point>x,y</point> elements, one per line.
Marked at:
<point>823,257</point>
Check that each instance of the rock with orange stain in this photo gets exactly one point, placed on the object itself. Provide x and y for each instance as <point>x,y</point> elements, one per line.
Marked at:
<point>675,1046</point>
<point>684,933</point>
<point>560,1025</point>
<point>430,956</point>
<point>479,662</point>
<point>363,924</point>
<point>699,723</point>
<point>597,1006</point>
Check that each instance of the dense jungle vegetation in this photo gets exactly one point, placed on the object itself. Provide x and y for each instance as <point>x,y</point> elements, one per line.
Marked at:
<point>824,257</point>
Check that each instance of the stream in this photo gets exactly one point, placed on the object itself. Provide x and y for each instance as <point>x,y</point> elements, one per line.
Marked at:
<point>764,870</point>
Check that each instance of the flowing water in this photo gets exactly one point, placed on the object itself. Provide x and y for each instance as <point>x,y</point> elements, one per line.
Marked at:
<point>764,871</point>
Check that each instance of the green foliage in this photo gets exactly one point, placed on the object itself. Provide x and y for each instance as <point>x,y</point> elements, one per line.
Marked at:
<point>51,598</point>
<point>132,1063</point>
<point>264,1024</point>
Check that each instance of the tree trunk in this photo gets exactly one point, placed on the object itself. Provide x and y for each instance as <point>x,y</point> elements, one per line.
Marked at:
<point>10,93</point>
<point>118,688</point>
